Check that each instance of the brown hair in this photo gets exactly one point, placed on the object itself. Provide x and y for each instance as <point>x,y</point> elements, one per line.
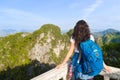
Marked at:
<point>81,32</point>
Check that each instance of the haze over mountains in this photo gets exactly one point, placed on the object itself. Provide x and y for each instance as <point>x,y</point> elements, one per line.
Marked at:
<point>108,31</point>
<point>5,32</point>
<point>96,32</point>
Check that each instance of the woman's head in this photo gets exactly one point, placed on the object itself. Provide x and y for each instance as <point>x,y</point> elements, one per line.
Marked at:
<point>81,32</point>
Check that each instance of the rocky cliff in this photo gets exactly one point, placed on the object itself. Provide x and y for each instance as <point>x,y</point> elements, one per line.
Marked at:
<point>50,44</point>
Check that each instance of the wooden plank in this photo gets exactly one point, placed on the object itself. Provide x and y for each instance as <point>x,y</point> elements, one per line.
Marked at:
<point>56,74</point>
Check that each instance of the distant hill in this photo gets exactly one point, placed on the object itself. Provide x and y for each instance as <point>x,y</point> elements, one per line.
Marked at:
<point>107,36</point>
<point>5,32</point>
<point>102,33</point>
<point>111,37</point>
<point>110,31</point>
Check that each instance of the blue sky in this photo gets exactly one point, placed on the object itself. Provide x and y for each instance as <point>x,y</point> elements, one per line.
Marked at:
<point>31,14</point>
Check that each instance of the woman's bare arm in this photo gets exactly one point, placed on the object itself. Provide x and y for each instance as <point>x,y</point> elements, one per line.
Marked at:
<point>69,54</point>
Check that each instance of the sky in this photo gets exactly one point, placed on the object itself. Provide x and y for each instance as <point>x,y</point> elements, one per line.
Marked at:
<point>32,14</point>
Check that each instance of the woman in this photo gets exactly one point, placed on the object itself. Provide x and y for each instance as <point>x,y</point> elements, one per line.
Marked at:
<point>81,33</point>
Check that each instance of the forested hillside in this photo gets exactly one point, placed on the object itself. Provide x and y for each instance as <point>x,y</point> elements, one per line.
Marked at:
<point>26,55</point>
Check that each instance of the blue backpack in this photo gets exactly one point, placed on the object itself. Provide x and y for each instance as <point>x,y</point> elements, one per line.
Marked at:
<point>91,62</point>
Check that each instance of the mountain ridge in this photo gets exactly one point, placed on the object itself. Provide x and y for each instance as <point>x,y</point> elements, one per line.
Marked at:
<point>104,32</point>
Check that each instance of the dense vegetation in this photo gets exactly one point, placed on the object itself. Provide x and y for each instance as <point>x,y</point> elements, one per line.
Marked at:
<point>112,54</point>
<point>110,45</point>
<point>13,50</point>
<point>15,64</point>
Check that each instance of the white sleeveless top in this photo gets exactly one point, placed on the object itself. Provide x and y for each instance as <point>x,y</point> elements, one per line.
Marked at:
<point>73,41</point>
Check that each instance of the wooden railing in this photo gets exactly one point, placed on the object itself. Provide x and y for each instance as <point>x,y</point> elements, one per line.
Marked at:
<point>57,74</point>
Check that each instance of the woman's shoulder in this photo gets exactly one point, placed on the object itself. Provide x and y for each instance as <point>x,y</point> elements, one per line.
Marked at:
<point>72,40</point>
<point>92,37</point>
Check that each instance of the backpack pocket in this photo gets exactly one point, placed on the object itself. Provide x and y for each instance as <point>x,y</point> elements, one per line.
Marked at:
<point>79,68</point>
<point>86,67</point>
<point>92,57</point>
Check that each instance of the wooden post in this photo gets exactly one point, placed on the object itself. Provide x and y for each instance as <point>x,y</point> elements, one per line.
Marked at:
<point>64,78</point>
<point>106,77</point>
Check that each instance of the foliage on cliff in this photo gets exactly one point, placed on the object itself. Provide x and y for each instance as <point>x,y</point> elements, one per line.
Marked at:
<point>16,61</point>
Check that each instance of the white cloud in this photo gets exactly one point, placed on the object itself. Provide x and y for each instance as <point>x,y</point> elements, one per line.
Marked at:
<point>90,9</point>
<point>74,5</point>
<point>21,18</point>
<point>18,14</point>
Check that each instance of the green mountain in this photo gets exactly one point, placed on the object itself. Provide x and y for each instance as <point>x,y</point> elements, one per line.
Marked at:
<point>30,54</point>
<point>109,38</point>
<point>107,31</point>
